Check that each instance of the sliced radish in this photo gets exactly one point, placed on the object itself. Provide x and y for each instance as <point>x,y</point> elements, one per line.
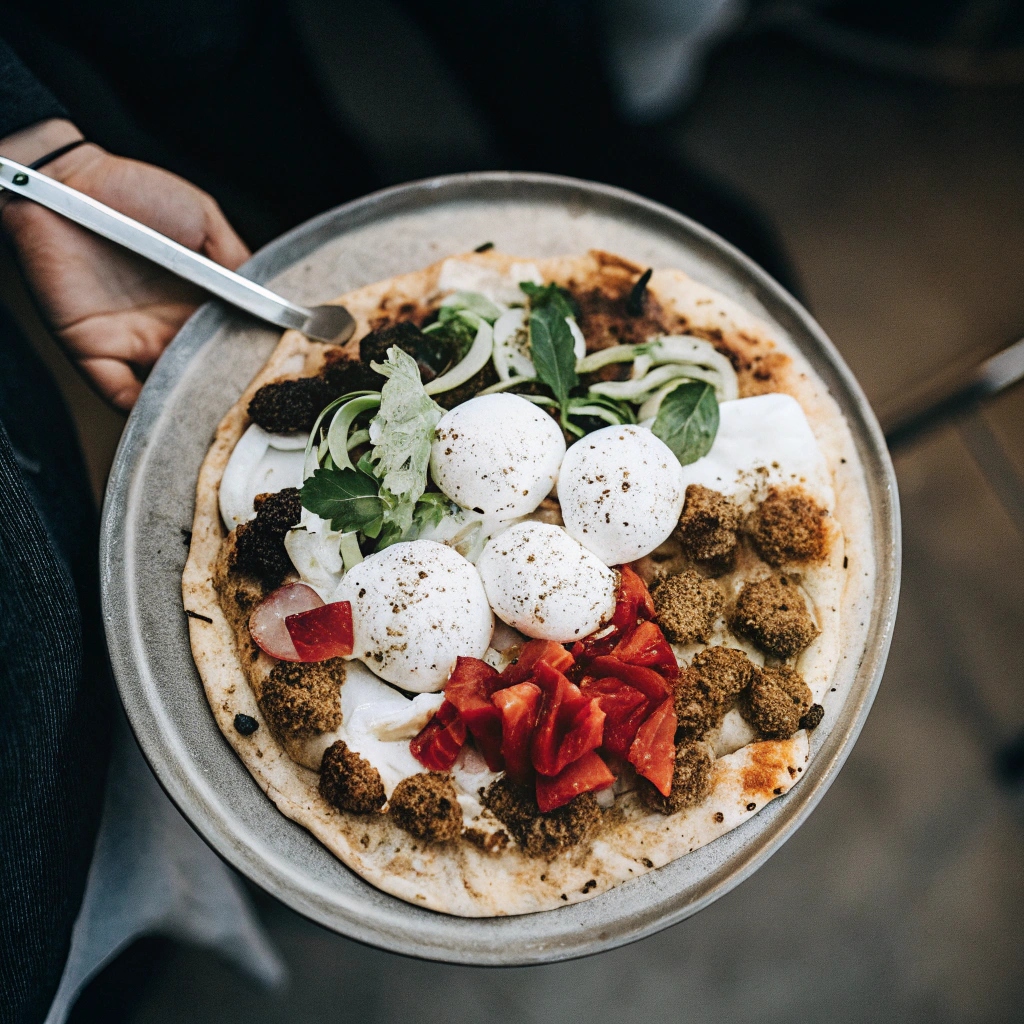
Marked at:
<point>322,633</point>
<point>267,623</point>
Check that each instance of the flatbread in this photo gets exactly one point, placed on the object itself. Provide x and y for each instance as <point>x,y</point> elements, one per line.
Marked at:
<point>460,878</point>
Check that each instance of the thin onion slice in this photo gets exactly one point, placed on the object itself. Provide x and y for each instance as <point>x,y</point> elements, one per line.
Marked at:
<point>474,361</point>
<point>267,623</point>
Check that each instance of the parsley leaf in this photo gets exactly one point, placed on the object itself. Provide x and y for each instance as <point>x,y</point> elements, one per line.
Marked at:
<point>551,342</point>
<point>688,420</point>
<point>346,497</point>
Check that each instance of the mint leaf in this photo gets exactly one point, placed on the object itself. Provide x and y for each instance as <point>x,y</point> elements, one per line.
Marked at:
<point>345,497</point>
<point>688,421</point>
<point>551,341</point>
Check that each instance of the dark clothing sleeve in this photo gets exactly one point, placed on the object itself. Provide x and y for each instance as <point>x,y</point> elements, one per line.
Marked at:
<point>54,691</point>
<point>23,100</point>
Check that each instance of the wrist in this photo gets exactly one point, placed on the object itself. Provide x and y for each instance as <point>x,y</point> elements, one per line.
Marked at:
<point>29,144</point>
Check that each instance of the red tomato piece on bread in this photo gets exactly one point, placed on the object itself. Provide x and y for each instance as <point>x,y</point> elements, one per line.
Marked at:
<point>633,601</point>
<point>322,633</point>
<point>564,726</point>
<point>582,776</point>
<point>469,688</point>
<point>645,645</point>
<point>653,752</point>
<point>519,706</point>
<point>534,651</point>
<point>625,709</point>
<point>650,683</point>
<point>436,746</point>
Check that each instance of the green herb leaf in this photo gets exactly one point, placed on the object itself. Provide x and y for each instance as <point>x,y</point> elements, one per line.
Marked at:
<point>390,533</point>
<point>449,337</point>
<point>430,509</point>
<point>471,302</point>
<point>551,341</point>
<point>345,497</point>
<point>402,432</point>
<point>688,420</point>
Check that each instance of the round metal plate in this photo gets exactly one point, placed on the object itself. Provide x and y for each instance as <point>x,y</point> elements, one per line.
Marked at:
<point>148,511</point>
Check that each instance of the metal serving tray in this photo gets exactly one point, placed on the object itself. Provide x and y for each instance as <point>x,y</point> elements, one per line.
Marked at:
<point>149,505</point>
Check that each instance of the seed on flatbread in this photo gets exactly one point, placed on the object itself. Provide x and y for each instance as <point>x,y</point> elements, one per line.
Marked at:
<point>773,614</point>
<point>813,717</point>
<point>245,725</point>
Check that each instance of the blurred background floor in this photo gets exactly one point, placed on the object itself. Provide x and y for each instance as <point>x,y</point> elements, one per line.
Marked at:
<point>901,207</point>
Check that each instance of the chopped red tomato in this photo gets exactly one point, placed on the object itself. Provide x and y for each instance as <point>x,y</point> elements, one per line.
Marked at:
<point>653,752</point>
<point>533,651</point>
<point>322,633</point>
<point>436,746</point>
<point>646,645</point>
<point>519,706</point>
<point>646,680</point>
<point>582,776</point>
<point>585,734</point>
<point>625,709</point>
<point>469,689</point>
<point>566,727</point>
<point>633,601</point>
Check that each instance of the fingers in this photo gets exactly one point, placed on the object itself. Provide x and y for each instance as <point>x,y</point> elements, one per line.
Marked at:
<point>116,352</point>
<point>162,200</point>
<point>114,380</point>
<point>222,243</point>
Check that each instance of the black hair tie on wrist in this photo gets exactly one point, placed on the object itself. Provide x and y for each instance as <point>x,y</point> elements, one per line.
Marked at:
<point>60,151</point>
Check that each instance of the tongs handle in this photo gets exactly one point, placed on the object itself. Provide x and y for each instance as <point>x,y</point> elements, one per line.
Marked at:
<point>160,249</point>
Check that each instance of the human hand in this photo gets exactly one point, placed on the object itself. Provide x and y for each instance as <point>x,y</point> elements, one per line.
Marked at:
<point>113,311</point>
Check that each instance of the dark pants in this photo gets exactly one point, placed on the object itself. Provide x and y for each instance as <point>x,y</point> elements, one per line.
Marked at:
<point>54,689</point>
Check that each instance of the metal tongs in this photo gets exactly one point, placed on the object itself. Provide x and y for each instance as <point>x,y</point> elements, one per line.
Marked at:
<point>323,323</point>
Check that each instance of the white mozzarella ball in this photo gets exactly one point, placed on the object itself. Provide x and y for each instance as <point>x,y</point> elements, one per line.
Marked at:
<point>497,454</point>
<point>416,606</point>
<point>621,492</point>
<point>543,583</point>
